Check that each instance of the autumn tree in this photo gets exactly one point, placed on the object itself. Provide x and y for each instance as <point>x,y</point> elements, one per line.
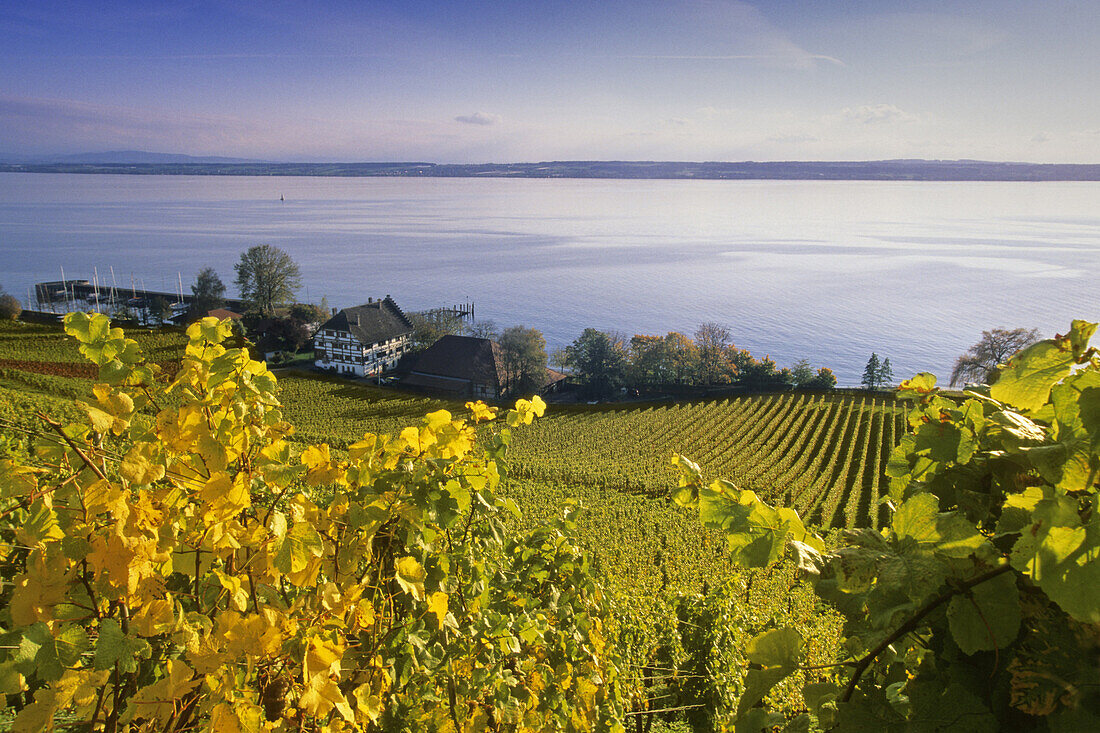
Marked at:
<point>10,309</point>
<point>267,278</point>
<point>683,357</point>
<point>713,342</point>
<point>979,363</point>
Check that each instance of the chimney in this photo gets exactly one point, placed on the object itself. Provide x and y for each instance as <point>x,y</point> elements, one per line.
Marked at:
<point>334,311</point>
<point>369,300</point>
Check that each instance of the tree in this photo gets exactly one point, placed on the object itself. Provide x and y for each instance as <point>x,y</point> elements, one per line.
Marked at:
<point>10,308</point>
<point>207,293</point>
<point>430,326</point>
<point>871,372</point>
<point>885,376</point>
<point>979,363</point>
<point>684,357</point>
<point>824,379</point>
<point>523,351</point>
<point>160,308</point>
<point>802,374</point>
<point>267,277</point>
<point>650,360</point>
<point>599,361</point>
<point>484,330</point>
<point>713,343</point>
<point>307,313</point>
<point>762,375</point>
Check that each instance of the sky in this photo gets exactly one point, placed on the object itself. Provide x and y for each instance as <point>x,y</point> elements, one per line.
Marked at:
<point>469,82</point>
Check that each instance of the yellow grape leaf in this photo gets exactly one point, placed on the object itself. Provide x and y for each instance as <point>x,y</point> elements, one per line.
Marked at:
<point>139,466</point>
<point>224,497</point>
<point>158,700</point>
<point>410,576</point>
<point>35,595</point>
<point>321,696</point>
<point>322,468</point>
<point>322,657</point>
<point>364,613</point>
<point>103,422</point>
<point>436,420</point>
<point>39,715</point>
<point>113,563</point>
<point>481,411</point>
<point>369,701</point>
<point>437,604</point>
<point>157,616</point>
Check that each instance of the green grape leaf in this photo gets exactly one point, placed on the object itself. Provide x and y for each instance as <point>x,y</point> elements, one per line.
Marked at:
<point>114,647</point>
<point>988,618</point>
<point>916,519</point>
<point>1089,403</point>
<point>953,709</point>
<point>71,643</point>
<point>1065,562</point>
<point>758,683</point>
<point>776,648</point>
<point>1026,379</point>
<point>958,536</point>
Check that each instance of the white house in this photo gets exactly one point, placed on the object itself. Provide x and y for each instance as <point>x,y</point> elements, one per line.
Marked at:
<point>364,340</point>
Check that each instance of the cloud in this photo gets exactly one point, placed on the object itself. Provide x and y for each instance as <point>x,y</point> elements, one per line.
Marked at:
<point>799,58</point>
<point>479,118</point>
<point>793,139</point>
<point>41,123</point>
<point>876,114</point>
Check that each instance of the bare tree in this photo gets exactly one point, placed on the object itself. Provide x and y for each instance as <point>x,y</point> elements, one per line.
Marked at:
<point>484,329</point>
<point>979,363</point>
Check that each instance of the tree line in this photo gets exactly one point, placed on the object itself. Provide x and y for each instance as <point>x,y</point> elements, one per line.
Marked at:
<point>606,363</point>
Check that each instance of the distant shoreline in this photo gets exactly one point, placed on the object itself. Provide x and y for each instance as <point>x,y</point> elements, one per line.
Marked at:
<point>884,170</point>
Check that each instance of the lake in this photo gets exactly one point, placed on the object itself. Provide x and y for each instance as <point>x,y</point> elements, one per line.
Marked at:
<point>824,270</point>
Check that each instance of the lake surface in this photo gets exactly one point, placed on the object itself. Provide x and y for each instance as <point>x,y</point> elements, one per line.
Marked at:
<point>828,271</point>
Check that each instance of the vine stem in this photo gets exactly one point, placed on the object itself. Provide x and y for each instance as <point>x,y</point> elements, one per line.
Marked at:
<point>914,621</point>
<point>87,461</point>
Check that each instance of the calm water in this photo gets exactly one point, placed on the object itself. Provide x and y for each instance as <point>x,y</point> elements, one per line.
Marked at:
<point>829,271</point>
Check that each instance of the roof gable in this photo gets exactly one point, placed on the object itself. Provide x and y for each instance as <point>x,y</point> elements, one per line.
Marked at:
<point>378,320</point>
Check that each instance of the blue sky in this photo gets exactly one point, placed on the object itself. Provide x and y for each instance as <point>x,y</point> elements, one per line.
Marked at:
<point>526,81</point>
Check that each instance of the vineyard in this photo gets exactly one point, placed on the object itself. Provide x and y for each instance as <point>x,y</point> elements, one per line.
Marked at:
<point>746,617</point>
<point>822,454</point>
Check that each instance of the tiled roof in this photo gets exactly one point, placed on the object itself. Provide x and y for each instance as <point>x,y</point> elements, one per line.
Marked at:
<point>372,322</point>
<point>476,360</point>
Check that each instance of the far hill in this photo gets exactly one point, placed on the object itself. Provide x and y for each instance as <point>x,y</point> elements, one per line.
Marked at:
<point>132,157</point>
<point>874,170</point>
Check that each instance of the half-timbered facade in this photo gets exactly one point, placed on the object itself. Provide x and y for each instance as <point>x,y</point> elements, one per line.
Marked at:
<point>364,340</point>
